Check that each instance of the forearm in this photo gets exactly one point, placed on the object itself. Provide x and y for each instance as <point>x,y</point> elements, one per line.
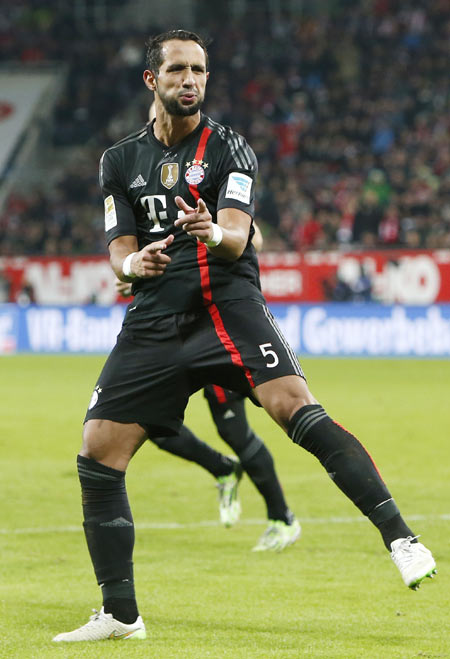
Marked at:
<point>128,261</point>
<point>235,227</point>
<point>231,246</point>
<point>119,249</point>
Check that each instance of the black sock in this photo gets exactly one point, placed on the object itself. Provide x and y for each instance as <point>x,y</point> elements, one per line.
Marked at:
<point>394,528</point>
<point>109,529</point>
<point>349,465</point>
<point>258,463</point>
<point>232,425</point>
<point>120,600</point>
<point>121,609</point>
<point>186,445</point>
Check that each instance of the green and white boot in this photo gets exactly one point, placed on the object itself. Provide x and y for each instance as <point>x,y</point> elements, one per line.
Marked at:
<point>229,504</point>
<point>278,536</point>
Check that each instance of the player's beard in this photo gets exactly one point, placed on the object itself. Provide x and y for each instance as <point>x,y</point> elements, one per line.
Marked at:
<point>174,107</point>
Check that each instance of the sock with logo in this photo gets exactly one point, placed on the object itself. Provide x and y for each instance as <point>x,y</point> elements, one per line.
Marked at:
<point>109,530</point>
<point>350,466</point>
<point>232,425</point>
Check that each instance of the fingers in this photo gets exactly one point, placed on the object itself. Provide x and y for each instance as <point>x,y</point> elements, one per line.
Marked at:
<point>160,245</point>
<point>152,260</point>
<point>194,219</point>
<point>201,206</point>
<point>123,288</point>
<point>182,205</point>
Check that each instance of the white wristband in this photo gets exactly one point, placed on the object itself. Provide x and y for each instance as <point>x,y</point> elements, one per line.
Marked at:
<point>216,237</point>
<point>126,265</point>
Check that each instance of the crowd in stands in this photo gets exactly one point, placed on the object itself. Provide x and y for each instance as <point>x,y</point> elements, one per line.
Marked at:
<point>348,113</point>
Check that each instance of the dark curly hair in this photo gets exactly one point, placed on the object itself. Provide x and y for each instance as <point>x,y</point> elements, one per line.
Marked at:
<point>154,57</point>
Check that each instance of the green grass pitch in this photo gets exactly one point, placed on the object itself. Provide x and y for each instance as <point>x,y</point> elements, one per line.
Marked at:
<point>201,591</point>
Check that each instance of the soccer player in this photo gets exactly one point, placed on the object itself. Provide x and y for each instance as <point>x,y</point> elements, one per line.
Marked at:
<point>178,219</point>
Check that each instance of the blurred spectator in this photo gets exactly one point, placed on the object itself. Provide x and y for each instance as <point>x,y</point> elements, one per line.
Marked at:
<point>339,291</point>
<point>26,295</point>
<point>5,288</point>
<point>349,287</point>
<point>362,287</point>
<point>367,218</point>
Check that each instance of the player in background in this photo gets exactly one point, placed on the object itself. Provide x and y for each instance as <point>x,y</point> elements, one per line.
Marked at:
<point>179,206</point>
<point>228,412</point>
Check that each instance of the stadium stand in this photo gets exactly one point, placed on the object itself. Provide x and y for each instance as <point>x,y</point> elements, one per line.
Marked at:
<point>347,111</point>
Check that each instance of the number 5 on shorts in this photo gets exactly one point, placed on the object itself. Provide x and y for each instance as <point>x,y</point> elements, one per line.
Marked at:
<point>264,347</point>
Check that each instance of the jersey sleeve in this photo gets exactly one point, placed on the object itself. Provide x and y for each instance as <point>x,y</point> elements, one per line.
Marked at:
<point>237,174</point>
<point>119,216</point>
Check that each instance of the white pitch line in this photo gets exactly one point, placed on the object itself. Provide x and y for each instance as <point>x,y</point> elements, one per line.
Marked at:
<point>174,526</point>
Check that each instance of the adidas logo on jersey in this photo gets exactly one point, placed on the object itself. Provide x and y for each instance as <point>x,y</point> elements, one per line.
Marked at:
<point>138,182</point>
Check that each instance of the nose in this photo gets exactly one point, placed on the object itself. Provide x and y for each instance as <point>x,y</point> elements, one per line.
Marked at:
<point>188,78</point>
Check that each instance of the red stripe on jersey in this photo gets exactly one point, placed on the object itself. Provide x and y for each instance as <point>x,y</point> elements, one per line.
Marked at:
<point>227,342</point>
<point>220,393</point>
<point>202,251</point>
<point>204,137</point>
<point>202,260</point>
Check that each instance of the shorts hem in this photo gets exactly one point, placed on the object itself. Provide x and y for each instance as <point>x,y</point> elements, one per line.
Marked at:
<point>150,427</point>
<point>263,379</point>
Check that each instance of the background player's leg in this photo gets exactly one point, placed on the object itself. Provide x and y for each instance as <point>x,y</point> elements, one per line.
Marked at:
<point>188,446</point>
<point>228,412</point>
<point>226,470</point>
<point>232,425</point>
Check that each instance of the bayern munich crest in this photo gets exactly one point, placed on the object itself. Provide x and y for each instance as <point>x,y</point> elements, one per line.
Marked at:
<point>195,172</point>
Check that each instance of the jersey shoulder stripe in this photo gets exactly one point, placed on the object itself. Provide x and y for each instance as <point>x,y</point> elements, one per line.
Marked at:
<point>137,135</point>
<point>133,137</point>
<point>241,152</point>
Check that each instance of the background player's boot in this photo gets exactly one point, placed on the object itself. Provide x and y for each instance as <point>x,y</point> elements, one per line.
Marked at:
<point>278,535</point>
<point>414,561</point>
<point>229,504</point>
<point>103,626</point>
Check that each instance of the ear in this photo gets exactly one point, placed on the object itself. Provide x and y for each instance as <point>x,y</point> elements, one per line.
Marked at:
<point>149,80</point>
<point>207,75</point>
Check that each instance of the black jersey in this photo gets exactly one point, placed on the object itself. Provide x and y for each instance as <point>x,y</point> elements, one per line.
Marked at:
<point>140,178</point>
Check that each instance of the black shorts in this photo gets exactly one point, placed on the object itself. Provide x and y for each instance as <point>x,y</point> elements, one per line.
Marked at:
<point>155,366</point>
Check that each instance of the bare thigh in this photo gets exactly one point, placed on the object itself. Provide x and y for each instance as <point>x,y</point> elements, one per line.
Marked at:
<point>282,397</point>
<point>112,443</point>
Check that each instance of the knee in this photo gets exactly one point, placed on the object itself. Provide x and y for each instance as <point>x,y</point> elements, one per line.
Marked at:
<point>282,398</point>
<point>113,444</point>
<point>93,439</point>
